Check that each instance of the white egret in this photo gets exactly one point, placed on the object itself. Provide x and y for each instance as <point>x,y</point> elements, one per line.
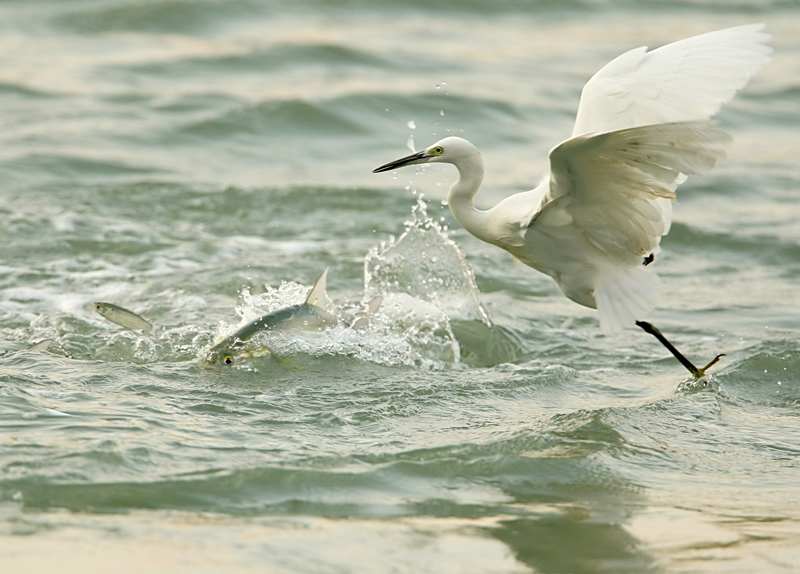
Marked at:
<point>595,222</point>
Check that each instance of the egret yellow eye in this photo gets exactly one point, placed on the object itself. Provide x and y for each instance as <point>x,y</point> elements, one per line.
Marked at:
<point>227,359</point>
<point>438,150</point>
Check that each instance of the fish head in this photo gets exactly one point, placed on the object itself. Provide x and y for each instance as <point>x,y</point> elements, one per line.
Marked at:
<point>102,308</point>
<point>224,355</point>
<point>227,353</point>
<point>222,358</point>
<point>231,357</point>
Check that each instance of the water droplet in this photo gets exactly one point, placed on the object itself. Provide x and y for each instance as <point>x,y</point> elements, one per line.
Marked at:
<point>441,112</point>
<point>410,143</point>
<point>412,125</point>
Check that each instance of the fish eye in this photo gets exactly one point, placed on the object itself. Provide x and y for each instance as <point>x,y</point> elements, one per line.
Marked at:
<point>438,150</point>
<point>227,359</point>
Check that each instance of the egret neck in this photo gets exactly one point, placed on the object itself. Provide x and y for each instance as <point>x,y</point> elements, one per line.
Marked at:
<point>470,175</point>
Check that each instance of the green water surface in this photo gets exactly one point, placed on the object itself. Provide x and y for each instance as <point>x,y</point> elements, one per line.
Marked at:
<point>201,161</point>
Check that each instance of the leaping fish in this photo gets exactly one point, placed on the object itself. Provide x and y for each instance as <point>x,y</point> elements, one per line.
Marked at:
<point>125,318</point>
<point>308,316</point>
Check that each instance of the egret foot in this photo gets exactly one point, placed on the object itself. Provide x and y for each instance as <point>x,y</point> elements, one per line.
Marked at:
<point>697,373</point>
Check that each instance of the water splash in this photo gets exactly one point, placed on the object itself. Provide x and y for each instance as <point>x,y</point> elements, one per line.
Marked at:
<point>707,383</point>
<point>289,293</point>
<point>425,264</point>
<point>425,283</point>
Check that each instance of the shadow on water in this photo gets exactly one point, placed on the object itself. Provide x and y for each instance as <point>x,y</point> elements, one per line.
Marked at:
<point>577,507</point>
<point>485,346</point>
<point>549,545</point>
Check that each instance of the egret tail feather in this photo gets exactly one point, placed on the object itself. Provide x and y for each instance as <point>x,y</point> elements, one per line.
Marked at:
<point>623,296</point>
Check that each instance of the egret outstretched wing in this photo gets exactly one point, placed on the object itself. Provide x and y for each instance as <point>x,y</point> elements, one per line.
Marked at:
<point>608,185</point>
<point>684,81</point>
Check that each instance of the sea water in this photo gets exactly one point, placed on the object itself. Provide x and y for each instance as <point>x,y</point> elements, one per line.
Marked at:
<point>200,162</point>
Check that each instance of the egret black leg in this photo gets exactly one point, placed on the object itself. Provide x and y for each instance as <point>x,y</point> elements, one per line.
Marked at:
<point>697,373</point>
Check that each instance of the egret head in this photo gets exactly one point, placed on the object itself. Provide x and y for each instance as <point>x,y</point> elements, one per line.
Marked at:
<point>449,150</point>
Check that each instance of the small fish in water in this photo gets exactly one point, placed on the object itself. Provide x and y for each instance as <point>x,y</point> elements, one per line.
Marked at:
<point>42,345</point>
<point>308,316</point>
<point>125,318</point>
<point>46,345</point>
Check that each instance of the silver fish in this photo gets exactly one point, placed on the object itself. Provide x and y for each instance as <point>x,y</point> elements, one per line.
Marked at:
<point>125,318</point>
<point>307,316</point>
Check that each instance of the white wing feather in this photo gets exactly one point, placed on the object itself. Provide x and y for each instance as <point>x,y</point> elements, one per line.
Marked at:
<point>611,190</point>
<point>684,81</point>
<point>609,185</point>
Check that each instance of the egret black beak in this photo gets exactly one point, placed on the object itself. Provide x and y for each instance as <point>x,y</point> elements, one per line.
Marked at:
<point>419,157</point>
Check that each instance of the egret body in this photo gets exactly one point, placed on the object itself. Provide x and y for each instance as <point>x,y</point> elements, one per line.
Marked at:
<point>595,222</point>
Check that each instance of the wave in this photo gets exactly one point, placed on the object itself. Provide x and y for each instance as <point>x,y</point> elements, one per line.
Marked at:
<point>12,89</point>
<point>765,249</point>
<point>175,16</point>
<point>206,16</point>
<point>281,117</point>
<point>72,166</point>
<point>545,464</point>
<point>765,376</point>
<point>263,60</point>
